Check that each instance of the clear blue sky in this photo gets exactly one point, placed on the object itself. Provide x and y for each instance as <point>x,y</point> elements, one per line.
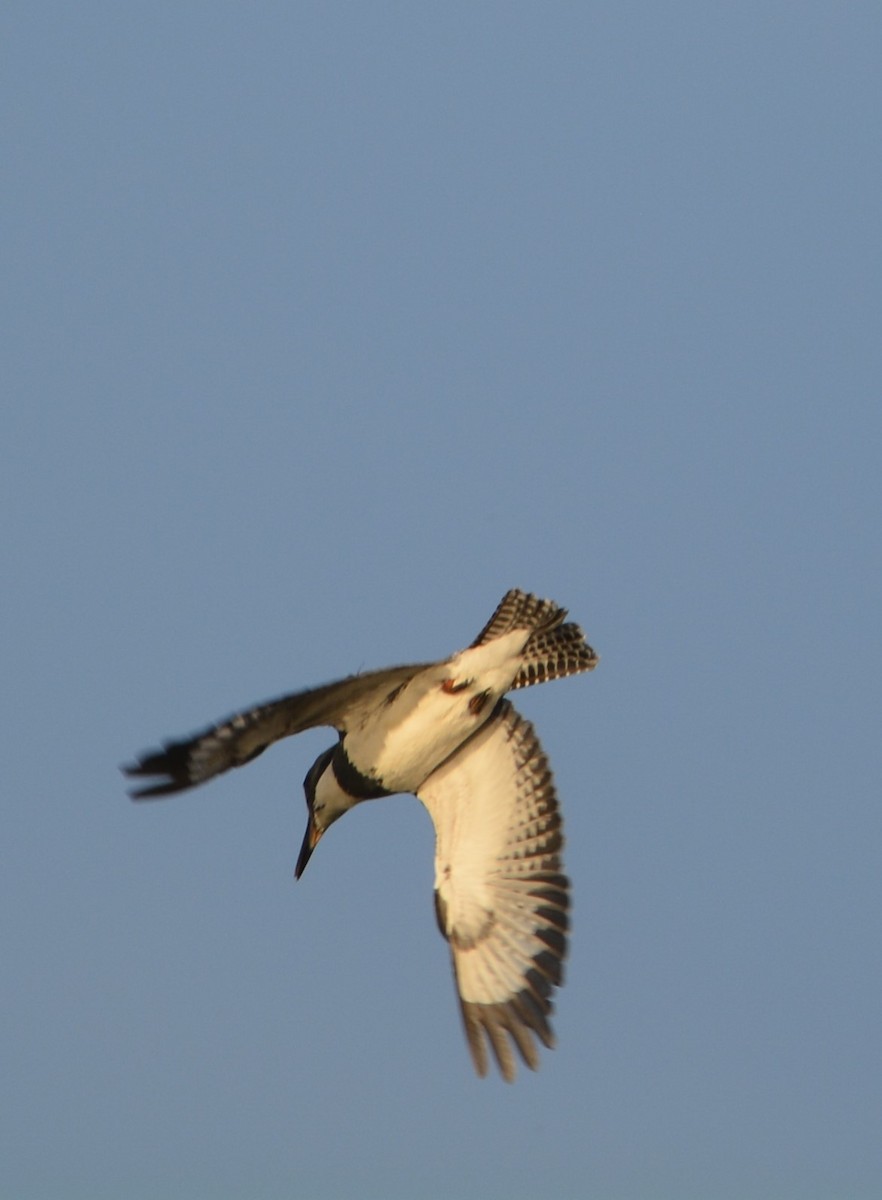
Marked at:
<point>325,324</point>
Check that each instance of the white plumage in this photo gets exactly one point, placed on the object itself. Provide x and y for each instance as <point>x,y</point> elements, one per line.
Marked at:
<point>501,897</point>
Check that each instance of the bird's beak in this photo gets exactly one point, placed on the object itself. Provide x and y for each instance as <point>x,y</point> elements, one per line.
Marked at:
<point>310,841</point>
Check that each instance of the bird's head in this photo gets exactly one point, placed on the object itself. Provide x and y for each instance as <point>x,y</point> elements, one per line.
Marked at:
<point>325,800</point>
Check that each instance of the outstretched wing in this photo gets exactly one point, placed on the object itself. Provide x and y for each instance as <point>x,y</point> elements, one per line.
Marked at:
<point>240,738</point>
<point>500,895</point>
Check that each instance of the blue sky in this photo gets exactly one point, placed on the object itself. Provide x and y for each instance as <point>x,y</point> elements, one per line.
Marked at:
<point>325,325</point>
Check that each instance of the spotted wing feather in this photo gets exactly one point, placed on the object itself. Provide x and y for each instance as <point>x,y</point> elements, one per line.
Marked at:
<point>501,897</point>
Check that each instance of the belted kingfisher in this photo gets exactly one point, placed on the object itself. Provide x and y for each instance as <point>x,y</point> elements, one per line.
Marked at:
<point>444,732</point>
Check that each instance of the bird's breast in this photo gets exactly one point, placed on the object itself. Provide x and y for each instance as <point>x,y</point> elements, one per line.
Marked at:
<point>402,743</point>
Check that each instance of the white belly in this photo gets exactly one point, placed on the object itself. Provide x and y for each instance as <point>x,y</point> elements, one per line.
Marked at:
<point>402,743</point>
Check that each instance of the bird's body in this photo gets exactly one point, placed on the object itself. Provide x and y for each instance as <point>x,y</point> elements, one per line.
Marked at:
<point>443,732</point>
<point>428,718</point>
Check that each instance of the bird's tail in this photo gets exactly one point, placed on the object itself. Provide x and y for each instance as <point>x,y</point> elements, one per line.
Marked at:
<point>520,610</point>
<point>554,650</point>
<point>554,653</point>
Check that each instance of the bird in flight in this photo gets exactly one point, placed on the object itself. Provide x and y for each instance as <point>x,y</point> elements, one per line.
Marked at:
<point>445,732</point>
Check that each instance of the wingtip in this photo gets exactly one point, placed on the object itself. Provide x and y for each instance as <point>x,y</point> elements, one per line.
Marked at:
<point>130,770</point>
<point>152,791</point>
